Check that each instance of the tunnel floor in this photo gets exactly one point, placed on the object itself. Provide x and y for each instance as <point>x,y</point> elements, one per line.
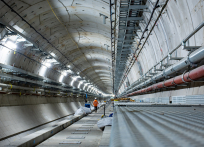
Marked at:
<point>9,140</point>
<point>158,126</point>
<point>83,133</point>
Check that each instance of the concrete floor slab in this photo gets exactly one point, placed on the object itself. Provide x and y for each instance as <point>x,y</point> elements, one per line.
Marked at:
<point>92,139</point>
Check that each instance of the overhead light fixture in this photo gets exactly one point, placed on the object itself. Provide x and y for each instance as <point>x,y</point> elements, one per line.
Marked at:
<point>53,54</point>
<point>80,84</point>
<point>61,78</point>
<point>69,71</point>
<point>11,45</point>
<point>73,79</point>
<point>21,39</point>
<point>47,64</point>
<point>51,61</point>
<point>42,70</point>
<point>64,73</point>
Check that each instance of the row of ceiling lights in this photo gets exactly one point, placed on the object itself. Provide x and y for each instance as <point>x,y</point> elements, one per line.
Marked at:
<point>11,43</point>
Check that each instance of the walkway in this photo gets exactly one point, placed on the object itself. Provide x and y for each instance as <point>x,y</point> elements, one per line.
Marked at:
<point>84,133</point>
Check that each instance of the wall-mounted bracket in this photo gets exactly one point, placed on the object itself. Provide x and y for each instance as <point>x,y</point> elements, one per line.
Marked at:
<point>174,58</point>
<point>43,54</point>
<point>34,49</point>
<point>189,48</point>
<point>104,18</point>
<point>106,46</point>
<point>152,73</point>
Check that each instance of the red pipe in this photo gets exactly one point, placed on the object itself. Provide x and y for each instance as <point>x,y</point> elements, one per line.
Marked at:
<point>195,74</point>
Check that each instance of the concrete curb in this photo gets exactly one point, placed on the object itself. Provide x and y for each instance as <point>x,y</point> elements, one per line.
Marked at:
<point>41,135</point>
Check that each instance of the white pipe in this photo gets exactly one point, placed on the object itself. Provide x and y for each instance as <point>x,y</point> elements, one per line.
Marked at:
<point>193,58</point>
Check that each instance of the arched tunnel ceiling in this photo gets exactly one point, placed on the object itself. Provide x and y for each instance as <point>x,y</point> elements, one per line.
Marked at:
<point>75,28</point>
<point>74,33</point>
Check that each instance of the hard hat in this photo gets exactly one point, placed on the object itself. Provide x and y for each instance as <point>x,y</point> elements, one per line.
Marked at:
<point>95,98</point>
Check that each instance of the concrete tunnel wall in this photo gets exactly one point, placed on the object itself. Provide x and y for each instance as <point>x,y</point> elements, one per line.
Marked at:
<point>84,32</point>
<point>178,20</point>
<point>21,113</point>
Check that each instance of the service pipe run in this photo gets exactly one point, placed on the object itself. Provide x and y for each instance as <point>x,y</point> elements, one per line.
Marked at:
<point>187,77</point>
<point>191,59</point>
<point>10,86</point>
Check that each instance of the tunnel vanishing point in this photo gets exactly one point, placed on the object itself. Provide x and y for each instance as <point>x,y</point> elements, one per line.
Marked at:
<point>143,60</point>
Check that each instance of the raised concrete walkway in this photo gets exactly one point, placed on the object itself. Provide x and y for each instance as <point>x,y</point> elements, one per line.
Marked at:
<point>83,133</point>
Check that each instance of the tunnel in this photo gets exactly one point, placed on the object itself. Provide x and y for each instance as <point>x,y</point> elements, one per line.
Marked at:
<point>102,73</point>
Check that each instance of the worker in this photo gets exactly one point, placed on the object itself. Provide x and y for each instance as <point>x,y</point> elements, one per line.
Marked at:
<point>95,103</point>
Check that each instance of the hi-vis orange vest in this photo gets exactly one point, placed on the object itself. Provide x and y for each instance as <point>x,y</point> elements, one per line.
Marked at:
<point>95,102</point>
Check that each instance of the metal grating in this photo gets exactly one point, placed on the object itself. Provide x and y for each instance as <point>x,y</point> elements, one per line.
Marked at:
<point>70,142</point>
<point>158,126</point>
<point>195,99</point>
<point>189,99</point>
<point>83,129</point>
<point>88,125</point>
<point>178,99</point>
<point>75,137</point>
<point>91,122</point>
<point>146,100</point>
<point>163,100</point>
<point>80,132</point>
<point>152,100</point>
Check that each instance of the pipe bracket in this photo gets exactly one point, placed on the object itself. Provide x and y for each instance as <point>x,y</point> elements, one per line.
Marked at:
<point>191,79</point>
<point>173,82</point>
<point>182,77</point>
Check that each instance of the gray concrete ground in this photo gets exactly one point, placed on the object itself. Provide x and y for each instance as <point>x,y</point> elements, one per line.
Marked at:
<point>105,139</point>
<point>7,141</point>
<point>87,125</point>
